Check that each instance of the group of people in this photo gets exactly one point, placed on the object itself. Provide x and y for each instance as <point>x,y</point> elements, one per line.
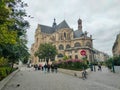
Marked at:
<point>93,67</point>
<point>47,67</point>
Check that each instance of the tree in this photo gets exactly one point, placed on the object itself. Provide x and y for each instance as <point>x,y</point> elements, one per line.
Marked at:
<point>65,57</point>
<point>46,51</point>
<point>24,54</point>
<point>109,63</point>
<point>3,61</point>
<point>6,36</point>
<point>13,28</point>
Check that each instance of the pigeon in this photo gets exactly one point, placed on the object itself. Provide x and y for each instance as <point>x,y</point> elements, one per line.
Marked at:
<point>18,85</point>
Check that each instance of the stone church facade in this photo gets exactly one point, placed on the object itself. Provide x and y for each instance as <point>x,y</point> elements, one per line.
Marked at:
<point>68,42</point>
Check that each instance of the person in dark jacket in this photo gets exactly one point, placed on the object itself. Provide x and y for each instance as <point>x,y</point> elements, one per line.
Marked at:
<point>52,67</point>
<point>99,67</point>
<point>45,67</point>
<point>48,68</point>
<point>55,67</point>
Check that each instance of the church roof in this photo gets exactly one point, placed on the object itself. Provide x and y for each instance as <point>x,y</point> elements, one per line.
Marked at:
<point>50,30</point>
<point>46,29</point>
<point>63,24</point>
<point>78,33</point>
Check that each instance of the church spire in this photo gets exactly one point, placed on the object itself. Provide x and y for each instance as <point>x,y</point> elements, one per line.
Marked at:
<point>79,24</point>
<point>54,23</point>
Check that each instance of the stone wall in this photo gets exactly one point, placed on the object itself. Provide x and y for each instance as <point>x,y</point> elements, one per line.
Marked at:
<point>117,69</point>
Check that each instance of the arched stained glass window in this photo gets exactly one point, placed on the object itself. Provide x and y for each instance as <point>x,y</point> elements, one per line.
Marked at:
<point>61,47</point>
<point>67,46</point>
<point>88,44</point>
<point>77,44</point>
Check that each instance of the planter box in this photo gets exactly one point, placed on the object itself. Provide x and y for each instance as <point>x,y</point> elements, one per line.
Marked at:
<point>72,72</point>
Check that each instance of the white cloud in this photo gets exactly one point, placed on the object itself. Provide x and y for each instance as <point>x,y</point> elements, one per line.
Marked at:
<point>101,18</point>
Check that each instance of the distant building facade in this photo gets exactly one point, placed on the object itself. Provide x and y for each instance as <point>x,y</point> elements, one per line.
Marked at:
<point>67,41</point>
<point>100,56</point>
<point>116,46</point>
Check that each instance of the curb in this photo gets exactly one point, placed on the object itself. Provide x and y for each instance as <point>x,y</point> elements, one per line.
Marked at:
<point>5,80</point>
<point>72,72</point>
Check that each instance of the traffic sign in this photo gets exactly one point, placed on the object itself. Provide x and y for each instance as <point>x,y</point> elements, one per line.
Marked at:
<point>83,52</point>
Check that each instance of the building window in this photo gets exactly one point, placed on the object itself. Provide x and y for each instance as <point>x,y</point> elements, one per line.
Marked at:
<point>60,36</point>
<point>88,44</point>
<point>67,46</point>
<point>64,35</point>
<point>70,57</point>
<point>76,56</point>
<point>77,44</point>
<point>76,51</point>
<point>60,55</point>
<point>61,47</point>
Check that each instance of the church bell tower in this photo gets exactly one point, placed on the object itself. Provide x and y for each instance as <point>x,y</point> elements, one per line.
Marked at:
<point>80,25</point>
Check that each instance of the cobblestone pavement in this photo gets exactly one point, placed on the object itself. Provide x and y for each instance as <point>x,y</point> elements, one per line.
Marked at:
<point>28,79</point>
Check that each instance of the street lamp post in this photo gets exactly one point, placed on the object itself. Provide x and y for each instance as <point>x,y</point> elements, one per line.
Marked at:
<point>113,66</point>
<point>94,61</point>
<point>94,66</point>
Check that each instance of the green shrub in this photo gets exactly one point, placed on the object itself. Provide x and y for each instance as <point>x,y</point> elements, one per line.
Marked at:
<point>65,57</point>
<point>113,61</point>
<point>73,64</point>
<point>4,71</point>
<point>116,60</point>
<point>3,61</point>
<point>109,63</point>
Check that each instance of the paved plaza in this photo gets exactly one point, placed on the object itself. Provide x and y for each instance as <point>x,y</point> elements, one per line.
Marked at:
<point>29,79</point>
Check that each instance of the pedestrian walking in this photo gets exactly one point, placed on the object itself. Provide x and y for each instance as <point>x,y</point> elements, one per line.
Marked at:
<point>48,68</point>
<point>36,67</point>
<point>55,67</point>
<point>52,67</point>
<point>39,67</point>
<point>91,66</point>
<point>45,67</point>
<point>99,67</point>
<point>42,68</point>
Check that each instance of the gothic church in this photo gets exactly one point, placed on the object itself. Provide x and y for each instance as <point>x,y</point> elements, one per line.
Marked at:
<point>68,42</point>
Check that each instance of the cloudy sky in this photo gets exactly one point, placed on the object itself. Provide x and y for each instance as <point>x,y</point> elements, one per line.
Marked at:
<point>101,18</point>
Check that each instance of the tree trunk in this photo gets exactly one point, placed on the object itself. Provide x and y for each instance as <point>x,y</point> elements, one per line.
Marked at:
<point>11,67</point>
<point>47,60</point>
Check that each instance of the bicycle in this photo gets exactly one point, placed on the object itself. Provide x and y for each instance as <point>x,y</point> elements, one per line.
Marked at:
<point>84,75</point>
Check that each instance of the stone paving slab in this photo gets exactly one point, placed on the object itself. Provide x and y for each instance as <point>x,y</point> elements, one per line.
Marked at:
<point>39,80</point>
